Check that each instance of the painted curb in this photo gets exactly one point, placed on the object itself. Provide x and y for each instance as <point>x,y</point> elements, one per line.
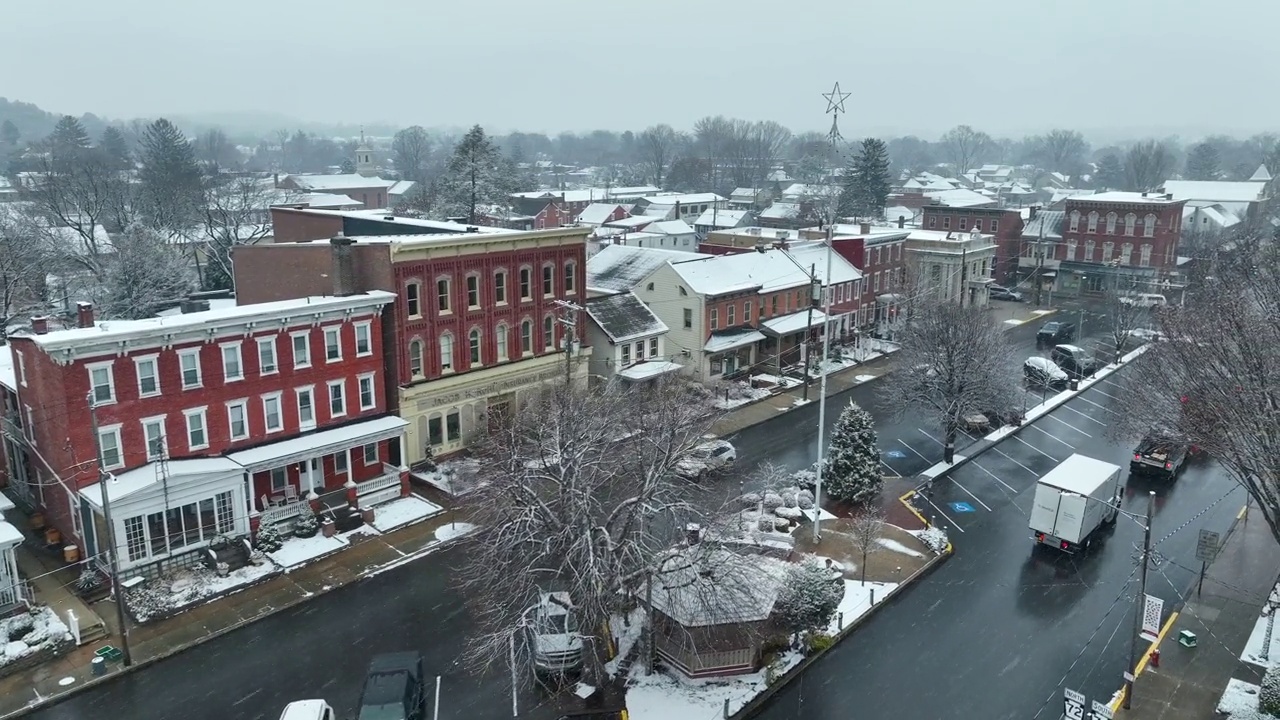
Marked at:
<point>177,649</point>
<point>756,703</point>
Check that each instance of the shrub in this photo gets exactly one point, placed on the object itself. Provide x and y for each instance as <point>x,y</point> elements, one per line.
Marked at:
<point>781,524</point>
<point>269,539</point>
<point>88,581</point>
<point>220,542</point>
<point>1269,695</point>
<point>765,523</point>
<point>306,525</point>
<point>772,501</point>
<point>816,642</point>
<point>773,673</point>
<point>751,499</point>
<point>789,499</point>
<point>935,538</point>
<point>790,513</point>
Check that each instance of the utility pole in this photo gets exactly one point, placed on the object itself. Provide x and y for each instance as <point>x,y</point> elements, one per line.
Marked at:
<point>113,555</point>
<point>814,299</point>
<point>1139,601</point>
<point>570,322</point>
<point>822,395</point>
<point>1040,264</point>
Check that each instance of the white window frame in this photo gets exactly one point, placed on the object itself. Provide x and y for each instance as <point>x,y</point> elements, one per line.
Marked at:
<point>444,301</point>
<point>500,288</point>
<point>333,332</point>
<point>548,333</point>
<point>278,399</point>
<point>22,368</point>
<point>283,474</point>
<point>345,471</point>
<point>303,359</point>
<point>1075,220</point>
<point>365,452</point>
<point>1071,251</point>
<point>155,420</point>
<point>106,365</point>
<point>1112,219</point>
<point>1126,253</point>
<point>448,357</point>
<point>239,362</point>
<point>201,412</point>
<point>364,328</point>
<point>548,277</point>
<point>570,278</point>
<point>1130,223</point>
<point>111,431</point>
<point>653,347</point>
<point>1091,221</point>
<point>501,338</point>
<point>138,362</point>
<point>243,406</point>
<point>413,298</point>
<point>1149,225</point>
<point>268,342</point>
<point>421,356</point>
<point>475,347</point>
<point>1144,255</point>
<point>373,391</point>
<point>341,397</point>
<point>526,338</point>
<point>308,391</point>
<point>525,271</point>
<point>473,289</point>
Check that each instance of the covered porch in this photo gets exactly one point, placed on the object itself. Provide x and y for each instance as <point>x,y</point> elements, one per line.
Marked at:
<point>729,352</point>
<point>785,336</point>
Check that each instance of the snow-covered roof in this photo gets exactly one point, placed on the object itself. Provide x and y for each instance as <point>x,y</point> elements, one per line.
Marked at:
<point>1060,194</point>
<point>893,213</point>
<point>795,322</point>
<point>338,182</point>
<point>657,210</point>
<point>717,587</point>
<point>8,376</point>
<point>780,211</point>
<point>767,271</point>
<point>130,482</point>
<point>669,227</point>
<point>597,213</point>
<point>318,200</point>
<point>717,218</point>
<point>402,187</point>
<point>682,198</point>
<point>1208,217</point>
<point>385,215</point>
<point>800,190</point>
<point>778,176</point>
<point>744,192</point>
<point>1261,174</point>
<point>634,222</point>
<point>1215,190</point>
<point>1119,196</point>
<point>319,442</point>
<point>722,340</point>
<point>618,268</point>
<point>9,535</point>
<point>1047,221</point>
<point>117,331</point>
<point>624,317</point>
<point>959,197</point>
<point>648,369</point>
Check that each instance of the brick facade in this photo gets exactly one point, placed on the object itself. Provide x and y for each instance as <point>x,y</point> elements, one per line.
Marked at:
<point>1004,224</point>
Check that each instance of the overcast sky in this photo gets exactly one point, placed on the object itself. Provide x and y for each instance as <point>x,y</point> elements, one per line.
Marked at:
<point>913,67</point>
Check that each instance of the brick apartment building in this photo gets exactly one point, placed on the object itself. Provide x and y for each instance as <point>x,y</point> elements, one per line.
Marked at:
<point>1003,224</point>
<point>1116,239</point>
<point>476,324</point>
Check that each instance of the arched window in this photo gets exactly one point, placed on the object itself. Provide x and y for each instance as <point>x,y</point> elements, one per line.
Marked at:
<point>446,352</point>
<point>1075,221</point>
<point>1111,223</point>
<point>500,336</point>
<point>473,345</point>
<point>1149,225</point>
<point>1088,251</point>
<point>1145,260</point>
<point>1126,253</point>
<point>1093,221</point>
<point>1130,221</point>
<point>548,333</point>
<point>415,357</point>
<point>526,337</point>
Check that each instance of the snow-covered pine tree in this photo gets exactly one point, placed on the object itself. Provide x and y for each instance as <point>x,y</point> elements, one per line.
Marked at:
<point>852,471</point>
<point>1269,695</point>
<point>809,597</point>
<point>147,274</point>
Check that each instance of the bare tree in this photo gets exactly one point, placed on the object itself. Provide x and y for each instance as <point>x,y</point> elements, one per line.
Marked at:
<point>766,141</point>
<point>147,273</point>
<point>956,362</point>
<point>411,151</point>
<point>965,147</point>
<point>712,136</point>
<point>578,494</point>
<point>865,532</point>
<point>87,196</point>
<point>236,212</point>
<point>1125,317</point>
<point>1148,164</point>
<point>658,146</point>
<point>1061,150</point>
<point>1216,381</point>
<point>24,255</point>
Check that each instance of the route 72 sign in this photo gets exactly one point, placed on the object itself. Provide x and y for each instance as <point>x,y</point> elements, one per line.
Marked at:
<point>1072,705</point>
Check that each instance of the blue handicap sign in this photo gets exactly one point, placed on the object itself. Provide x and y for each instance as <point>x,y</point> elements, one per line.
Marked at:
<point>896,454</point>
<point>961,507</point>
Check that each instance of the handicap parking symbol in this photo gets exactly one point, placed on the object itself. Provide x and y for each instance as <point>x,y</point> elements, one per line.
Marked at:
<point>896,454</point>
<point>961,507</point>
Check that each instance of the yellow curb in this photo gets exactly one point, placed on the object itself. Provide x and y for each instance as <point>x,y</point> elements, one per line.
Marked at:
<point>1146,657</point>
<point>906,500</point>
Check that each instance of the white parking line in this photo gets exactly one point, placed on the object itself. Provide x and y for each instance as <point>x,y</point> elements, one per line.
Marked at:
<point>966,490</point>
<point>993,475</point>
<point>1015,462</point>
<point>1033,447</point>
<point>1112,383</point>
<point>895,472</point>
<point>935,507</point>
<point>932,437</point>
<point>1086,416</point>
<point>1051,436</point>
<point>917,452</point>
<point>1106,394</point>
<point>1064,422</point>
<point>1104,408</point>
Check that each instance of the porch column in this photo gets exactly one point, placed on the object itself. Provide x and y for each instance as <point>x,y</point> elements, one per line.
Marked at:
<point>404,467</point>
<point>251,511</point>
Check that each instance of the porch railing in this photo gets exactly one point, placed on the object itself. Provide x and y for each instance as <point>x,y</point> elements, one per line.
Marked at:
<point>280,513</point>
<point>380,489</point>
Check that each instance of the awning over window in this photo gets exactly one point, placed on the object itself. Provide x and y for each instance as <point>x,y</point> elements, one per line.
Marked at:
<point>795,322</point>
<point>730,339</point>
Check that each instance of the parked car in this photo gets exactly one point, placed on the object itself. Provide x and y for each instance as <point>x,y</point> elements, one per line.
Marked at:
<point>707,458</point>
<point>552,633</point>
<point>1041,372</point>
<point>1161,455</point>
<point>1052,333</point>
<point>1000,292</point>
<point>308,710</point>
<point>393,688</point>
<point>1075,360</point>
<point>1146,300</point>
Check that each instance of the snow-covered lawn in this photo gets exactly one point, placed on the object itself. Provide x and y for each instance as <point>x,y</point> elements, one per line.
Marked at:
<point>786,382</point>
<point>455,477</point>
<point>1252,652</point>
<point>935,538</point>
<point>1240,701</point>
<point>857,601</point>
<point>162,595</point>
<point>297,551</point>
<point>740,394</point>
<point>626,632</point>
<point>865,378</point>
<point>453,530</point>
<point>403,511</point>
<point>898,547</point>
<point>31,632</point>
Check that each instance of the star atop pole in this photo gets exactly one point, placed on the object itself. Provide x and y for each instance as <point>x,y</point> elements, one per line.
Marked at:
<point>835,106</point>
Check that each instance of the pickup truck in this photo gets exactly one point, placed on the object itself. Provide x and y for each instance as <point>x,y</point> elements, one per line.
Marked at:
<point>1074,502</point>
<point>1160,456</point>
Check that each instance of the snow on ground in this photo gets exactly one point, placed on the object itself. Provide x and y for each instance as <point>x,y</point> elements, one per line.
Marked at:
<point>1252,652</point>
<point>31,632</point>
<point>857,601</point>
<point>788,382</point>
<point>935,538</point>
<point>741,395</point>
<point>297,551</point>
<point>584,690</point>
<point>898,547</point>
<point>626,632</point>
<point>822,515</point>
<point>663,697</point>
<point>455,477</point>
<point>403,511</point>
<point>800,401</point>
<point>453,530</point>
<point>865,378</point>
<point>1240,701</point>
<point>941,467</point>
<point>187,587</point>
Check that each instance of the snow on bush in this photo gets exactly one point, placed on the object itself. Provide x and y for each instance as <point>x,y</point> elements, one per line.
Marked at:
<point>1269,696</point>
<point>934,537</point>
<point>790,513</point>
<point>765,523</point>
<point>805,500</point>
<point>809,598</point>
<point>781,524</point>
<point>806,479</point>
<point>751,499</point>
<point>853,460</point>
<point>788,499</point>
<point>772,500</point>
<point>30,632</point>
<point>269,539</point>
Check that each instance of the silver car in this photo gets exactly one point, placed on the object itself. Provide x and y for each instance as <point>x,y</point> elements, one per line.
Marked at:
<point>707,458</point>
<point>553,635</point>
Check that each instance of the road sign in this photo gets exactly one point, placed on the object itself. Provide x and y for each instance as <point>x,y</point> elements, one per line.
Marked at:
<point>1207,546</point>
<point>1101,712</point>
<point>1072,704</point>
<point>961,507</point>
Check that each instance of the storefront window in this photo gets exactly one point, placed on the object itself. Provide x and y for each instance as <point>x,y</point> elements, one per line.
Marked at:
<point>453,423</point>
<point>435,430</point>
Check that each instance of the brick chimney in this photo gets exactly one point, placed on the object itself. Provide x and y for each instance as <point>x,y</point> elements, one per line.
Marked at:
<point>1034,210</point>
<point>865,228</point>
<point>902,221</point>
<point>40,325</point>
<point>84,315</point>
<point>343,272</point>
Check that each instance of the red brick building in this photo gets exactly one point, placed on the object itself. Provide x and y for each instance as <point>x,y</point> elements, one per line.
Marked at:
<point>878,253</point>
<point>1127,234</point>
<point>209,423</point>
<point>1004,224</point>
<point>478,320</point>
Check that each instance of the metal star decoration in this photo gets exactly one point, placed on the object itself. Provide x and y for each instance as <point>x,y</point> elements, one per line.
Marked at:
<point>835,99</point>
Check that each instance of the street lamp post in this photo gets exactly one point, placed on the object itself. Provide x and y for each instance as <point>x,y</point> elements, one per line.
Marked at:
<point>822,395</point>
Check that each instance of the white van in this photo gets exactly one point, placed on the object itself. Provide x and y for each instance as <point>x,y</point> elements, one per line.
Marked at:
<point>307,710</point>
<point>1145,300</point>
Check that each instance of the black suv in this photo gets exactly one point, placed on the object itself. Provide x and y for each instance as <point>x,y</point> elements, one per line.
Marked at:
<point>1159,455</point>
<point>1052,333</point>
<point>393,688</point>
<point>1075,360</point>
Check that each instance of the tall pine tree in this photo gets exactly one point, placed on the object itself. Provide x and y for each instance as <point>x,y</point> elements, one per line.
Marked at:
<point>172,186</point>
<point>146,275</point>
<point>871,178</point>
<point>852,471</point>
<point>477,175</point>
<point>1110,173</point>
<point>116,148</point>
<point>67,143</point>
<point>1203,163</point>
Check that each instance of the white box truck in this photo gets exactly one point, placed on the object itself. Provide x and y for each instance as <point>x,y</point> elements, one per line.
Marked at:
<point>1074,501</point>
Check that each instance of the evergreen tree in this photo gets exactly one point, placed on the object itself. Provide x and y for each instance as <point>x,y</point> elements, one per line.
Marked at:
<point>853,461</point>
<point>477,175</point>
<point>847,204</point>
<point>348,166</point>
<point>147,274</point>
<point>9,134</point>
<point>172,187</point>
<point>1110,173</point>
<point>1203,163</point>
<point>871,178</point>
<point>116,148</point>
<point>809,597</point>
<point>67,143</point>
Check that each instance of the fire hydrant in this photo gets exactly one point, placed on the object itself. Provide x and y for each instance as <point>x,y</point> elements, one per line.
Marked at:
<point>1155,658</point>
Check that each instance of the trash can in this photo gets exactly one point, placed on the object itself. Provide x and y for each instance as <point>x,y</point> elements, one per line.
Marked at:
<point>1075,384</point>
<point>99,666</point>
